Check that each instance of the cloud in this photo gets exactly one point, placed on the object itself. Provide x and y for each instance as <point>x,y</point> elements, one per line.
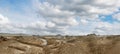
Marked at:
<point>50,25</point>
<point>3,20</point>
<point>7,26</point>
<point>67,17</point>
<point>64,14</point>
<point>117,16</point>
<point>73,8</point>
<point>85,7</point>
<point>107,28</point>
<point>36,27</point>
<point>4,23</point>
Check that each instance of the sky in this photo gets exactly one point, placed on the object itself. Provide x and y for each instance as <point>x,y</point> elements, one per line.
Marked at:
<point>69,17</point>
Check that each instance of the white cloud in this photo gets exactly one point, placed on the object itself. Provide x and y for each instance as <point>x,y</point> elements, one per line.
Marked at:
<point>61,17</point>
<point>107,28</point>
<point>50,24</point>
<point>3,20</point>
<point>117,16</point>
<point>38,24</point>
<point>84,21</point>
<point>4,24</point>
<point>63,9</point>
<point>63,14</point>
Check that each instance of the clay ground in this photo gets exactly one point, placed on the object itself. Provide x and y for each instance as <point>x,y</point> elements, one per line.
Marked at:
<point>59,45</point>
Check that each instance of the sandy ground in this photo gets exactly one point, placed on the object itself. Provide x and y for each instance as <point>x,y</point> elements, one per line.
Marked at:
<point>59,45</point>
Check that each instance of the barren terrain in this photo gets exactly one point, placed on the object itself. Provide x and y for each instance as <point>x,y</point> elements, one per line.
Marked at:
<point>60,44</point>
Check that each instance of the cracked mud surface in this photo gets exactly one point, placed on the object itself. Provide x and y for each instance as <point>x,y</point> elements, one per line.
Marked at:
<point>59,45</point>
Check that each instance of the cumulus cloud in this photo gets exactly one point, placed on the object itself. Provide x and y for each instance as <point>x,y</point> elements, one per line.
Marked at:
<point>117,16</point>
<point>50,25</point>
<point>64,13</point>
<point>85,7</point>
<point>36,27</point>
<point>107,28</point>
<point>3,20</point>
<point>4,24</point>
<point>69,17</point>
<point>73,8</point>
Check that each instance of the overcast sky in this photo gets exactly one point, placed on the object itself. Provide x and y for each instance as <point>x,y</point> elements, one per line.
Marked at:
<point>71,17</point>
